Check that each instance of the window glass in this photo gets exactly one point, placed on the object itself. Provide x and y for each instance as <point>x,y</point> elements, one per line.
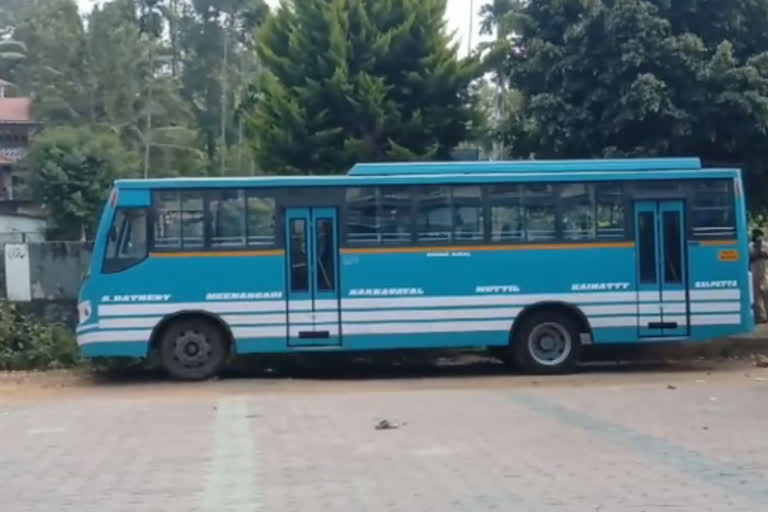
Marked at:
<point>433,214</point>
<point>298,256</point>
<point>395,214</point>
<point>127,243</point>
<point>539,204</point>
<point>713,209</point>
<point>468,213</point>
<point>192,216</point>
<point>261,220</point>
<point>658,187</point>
<point>673,260</point>
<point>133,244</point>
<point>361,215</point>
<point>507,213</point>
<point>227,218</point>
<point>646,239</point>
<point>167,220</point>
<point>325,257</point>
<point>610,211</point>
<point>578,211</point>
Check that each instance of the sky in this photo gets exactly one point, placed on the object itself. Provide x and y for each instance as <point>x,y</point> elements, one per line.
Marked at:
<point>457,15</point>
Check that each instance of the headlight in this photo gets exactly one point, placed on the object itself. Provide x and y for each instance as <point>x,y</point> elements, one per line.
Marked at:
<point>84,311</point>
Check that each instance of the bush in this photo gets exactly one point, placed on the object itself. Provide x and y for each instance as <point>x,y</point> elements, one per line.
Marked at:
<point>29,344</point>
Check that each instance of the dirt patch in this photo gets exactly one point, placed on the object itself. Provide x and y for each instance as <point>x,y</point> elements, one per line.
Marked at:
<point>26,387</point>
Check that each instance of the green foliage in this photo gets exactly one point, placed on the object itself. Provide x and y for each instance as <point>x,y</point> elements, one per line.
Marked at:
<point>73,172</point>
<point>53,34</point>
<point>27,344</point>
<point>217,62</point>
<point>358,80</point>
<point>638,78</point>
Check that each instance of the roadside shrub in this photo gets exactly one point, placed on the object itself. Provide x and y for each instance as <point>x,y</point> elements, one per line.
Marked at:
<point>26,343</point>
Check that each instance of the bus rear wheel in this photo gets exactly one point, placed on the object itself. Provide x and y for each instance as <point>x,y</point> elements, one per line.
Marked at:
<point>547,342</point>
<point>192,349</point>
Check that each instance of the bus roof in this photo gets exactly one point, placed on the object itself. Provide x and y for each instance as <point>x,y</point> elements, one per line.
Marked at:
<point>420,179</point>
<point>519,166</point>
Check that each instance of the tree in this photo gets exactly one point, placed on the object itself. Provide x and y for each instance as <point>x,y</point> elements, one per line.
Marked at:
<point>354,80</point>
<point>218,62</point>
<point>640,77</point>
<point>53,72</point>
<point>73,172</point>
<point>134,95</point>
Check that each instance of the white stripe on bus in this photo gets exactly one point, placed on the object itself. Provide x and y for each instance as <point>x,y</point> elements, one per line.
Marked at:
<point>592,312</point>
<point>429,314</point>
<point>716,319</point>
<point>733,294</point>
<point>715,307</point>
<point>330,305</point>
<point>171,307</point>
<point>331,328</point>
<point>320,305</point>
<point>86,328</point>
<point>425,327</point>
<point>280,331</point>
<point>113,336</point>
<point>484,300</point>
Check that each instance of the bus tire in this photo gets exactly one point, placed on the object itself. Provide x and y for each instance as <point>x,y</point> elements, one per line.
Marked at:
<point>193,349</point>
<point>547,342</point>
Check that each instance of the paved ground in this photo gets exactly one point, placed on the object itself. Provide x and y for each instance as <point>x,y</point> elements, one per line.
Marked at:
<point>671,438</point>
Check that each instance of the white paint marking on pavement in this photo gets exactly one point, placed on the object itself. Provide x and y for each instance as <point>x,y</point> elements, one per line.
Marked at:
<point>46,430</point>
<point>231,478</point>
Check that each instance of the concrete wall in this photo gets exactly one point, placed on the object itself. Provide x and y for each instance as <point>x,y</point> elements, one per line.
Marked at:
<point>44,278</point>
<point>49,271</point>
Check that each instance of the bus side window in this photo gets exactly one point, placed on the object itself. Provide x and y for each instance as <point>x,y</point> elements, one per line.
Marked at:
<point>226,218</point>
<point>434,220</point>
<point>167,220</point>
<point>610,211</point>
<point>361,216</point>
<point>507,214</point>
<point>713,209</point>
<point>192,215</point>
<point>260,220</point>
<point>468,216</point>
<point>578,211</point>
<point>539,203</point>
<point>395,214</point>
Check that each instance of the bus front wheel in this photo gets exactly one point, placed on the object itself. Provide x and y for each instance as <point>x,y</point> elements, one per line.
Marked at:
<point>547,342</point>
<point>192,349</point>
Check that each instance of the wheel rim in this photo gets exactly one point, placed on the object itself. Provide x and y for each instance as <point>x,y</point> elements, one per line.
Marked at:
<point>192,349</point>
<point>549,344</point>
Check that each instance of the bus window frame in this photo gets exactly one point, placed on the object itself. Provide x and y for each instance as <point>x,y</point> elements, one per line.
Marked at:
<point>685,193</point>
<point>627,201</point>
<point>270,192</point>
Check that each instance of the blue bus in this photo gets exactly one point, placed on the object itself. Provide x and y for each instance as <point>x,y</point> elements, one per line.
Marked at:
<point>532,260</point>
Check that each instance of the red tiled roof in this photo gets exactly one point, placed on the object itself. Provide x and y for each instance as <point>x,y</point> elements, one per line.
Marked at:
<point>15,110</point>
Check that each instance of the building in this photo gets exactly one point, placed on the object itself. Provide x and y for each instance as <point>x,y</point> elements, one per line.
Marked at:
<point>16,128</point>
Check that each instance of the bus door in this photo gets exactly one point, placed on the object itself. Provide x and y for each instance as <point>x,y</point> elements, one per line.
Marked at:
<point>312,277</point>
<point>662,273</point>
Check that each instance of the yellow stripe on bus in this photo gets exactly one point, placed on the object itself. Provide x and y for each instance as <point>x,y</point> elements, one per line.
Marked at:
<point>517,247</point>
<point>216,254</point>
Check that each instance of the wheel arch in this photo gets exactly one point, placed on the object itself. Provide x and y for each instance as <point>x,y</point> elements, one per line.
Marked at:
<point>565,308</point>
<point>157,332</point>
